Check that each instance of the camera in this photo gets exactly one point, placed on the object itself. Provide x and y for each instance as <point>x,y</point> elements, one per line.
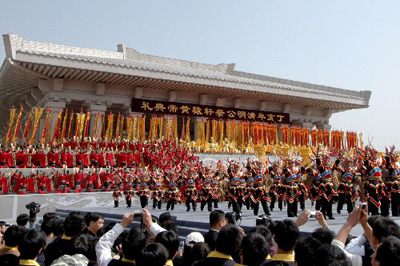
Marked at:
<point>33,206</point>
<point>313,214</point>
<point>233,218</point>
<point>363,205</point>
<point>138,213</point>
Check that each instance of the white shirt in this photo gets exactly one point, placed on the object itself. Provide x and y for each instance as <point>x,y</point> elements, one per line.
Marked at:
<point>103,247</point>
<point>356,260</point>
<point>156,229</point>
<point>356,245</point>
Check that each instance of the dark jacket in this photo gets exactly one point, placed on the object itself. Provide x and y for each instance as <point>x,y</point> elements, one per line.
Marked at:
<point>215,258</point>
<point>210,238</point>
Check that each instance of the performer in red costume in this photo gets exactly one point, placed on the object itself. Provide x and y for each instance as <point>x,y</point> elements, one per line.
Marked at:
<point>326,188</point>
<point>116,195</point>
<point>92,181</point>
<point>393,180</point>
<point>157,194</point>
<point>6,159</point>
<point>21,159</point>
<point>172,195</point>
<point>67,158</point>
<point>79,180</point>
<point>19,180</point>
<point>3,183</point>
<point>259,194</point>
<point>348,189</point>
<point>144,191</point>
<point>374,188</point>
<point>81,159</point>
<point>43,183</point>
<point>53,158</point>
<point>106,179</point>
<point>63,181</point>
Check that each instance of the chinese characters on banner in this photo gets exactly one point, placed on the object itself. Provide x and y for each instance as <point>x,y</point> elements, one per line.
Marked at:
<point>158,107</point>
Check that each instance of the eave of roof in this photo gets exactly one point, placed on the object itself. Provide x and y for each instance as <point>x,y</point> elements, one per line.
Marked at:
<point>158,71</point>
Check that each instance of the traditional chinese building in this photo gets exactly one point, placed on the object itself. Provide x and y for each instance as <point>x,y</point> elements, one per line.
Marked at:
<point>58,76</point>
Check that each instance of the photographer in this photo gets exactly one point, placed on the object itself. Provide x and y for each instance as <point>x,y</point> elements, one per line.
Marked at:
<point>34,209</point>
<point>132,245</point>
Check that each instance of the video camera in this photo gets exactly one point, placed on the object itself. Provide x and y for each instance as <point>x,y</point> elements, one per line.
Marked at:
<point>33,206</point>
<point>233,218</point>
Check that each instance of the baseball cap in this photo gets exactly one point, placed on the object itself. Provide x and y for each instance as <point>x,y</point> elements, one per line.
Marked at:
<point>193,238</point>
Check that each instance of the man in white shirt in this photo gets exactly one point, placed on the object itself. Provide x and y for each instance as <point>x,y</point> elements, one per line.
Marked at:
<point>131,245</point>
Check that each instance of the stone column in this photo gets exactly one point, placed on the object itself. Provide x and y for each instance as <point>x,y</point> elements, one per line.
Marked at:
<point>323,126</point>
<point>304,125</point>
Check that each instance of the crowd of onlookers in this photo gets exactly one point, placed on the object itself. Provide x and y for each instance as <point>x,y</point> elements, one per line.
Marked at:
<point>87,240</point>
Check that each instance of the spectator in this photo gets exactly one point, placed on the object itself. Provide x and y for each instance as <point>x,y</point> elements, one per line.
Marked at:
<point>92,254</point>
<point>73,225</point>
<point>9,260</point>
<point>58,227</point>
<point>170,226</point>
<point>360,245</point>
<point>170,240</point>
<point>79,244</point>
<point>286,235</point>
<point>199,251</point>
<point>131,245</point>
<point>3,228</point>
<point>166,216</point>
<point>12,237</point>
<point>94,222</point>
<point>76,252</point>
<point>105,229</point>
<point>49,215</point>
<point>147,222</point>
<point>47,228</point>
<point>388,252</point>
<point>190,241</point>
<point>266,233</point>
<point>265,221</point>
<point>31,244</point>
<point>383,227</point>
<point>23,219</point>
<point>154,254</point>
<point>331,255</point>
<point>305,251</point>
<point>255,249</point>
<point>228,242</point>
<point>323,235</point>
<point>217,221</point>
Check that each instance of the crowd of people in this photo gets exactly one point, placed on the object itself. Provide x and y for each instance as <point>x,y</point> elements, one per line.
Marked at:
<point>165,173</point>
<point>88,240</point>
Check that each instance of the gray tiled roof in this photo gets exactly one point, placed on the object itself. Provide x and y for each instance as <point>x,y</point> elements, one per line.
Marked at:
<point>186,71</point>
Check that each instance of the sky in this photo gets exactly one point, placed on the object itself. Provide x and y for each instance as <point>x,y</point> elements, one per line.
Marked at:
<point>352,45</point>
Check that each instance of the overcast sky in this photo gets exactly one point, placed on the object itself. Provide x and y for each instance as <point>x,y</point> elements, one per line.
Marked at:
<point>352,45</point>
